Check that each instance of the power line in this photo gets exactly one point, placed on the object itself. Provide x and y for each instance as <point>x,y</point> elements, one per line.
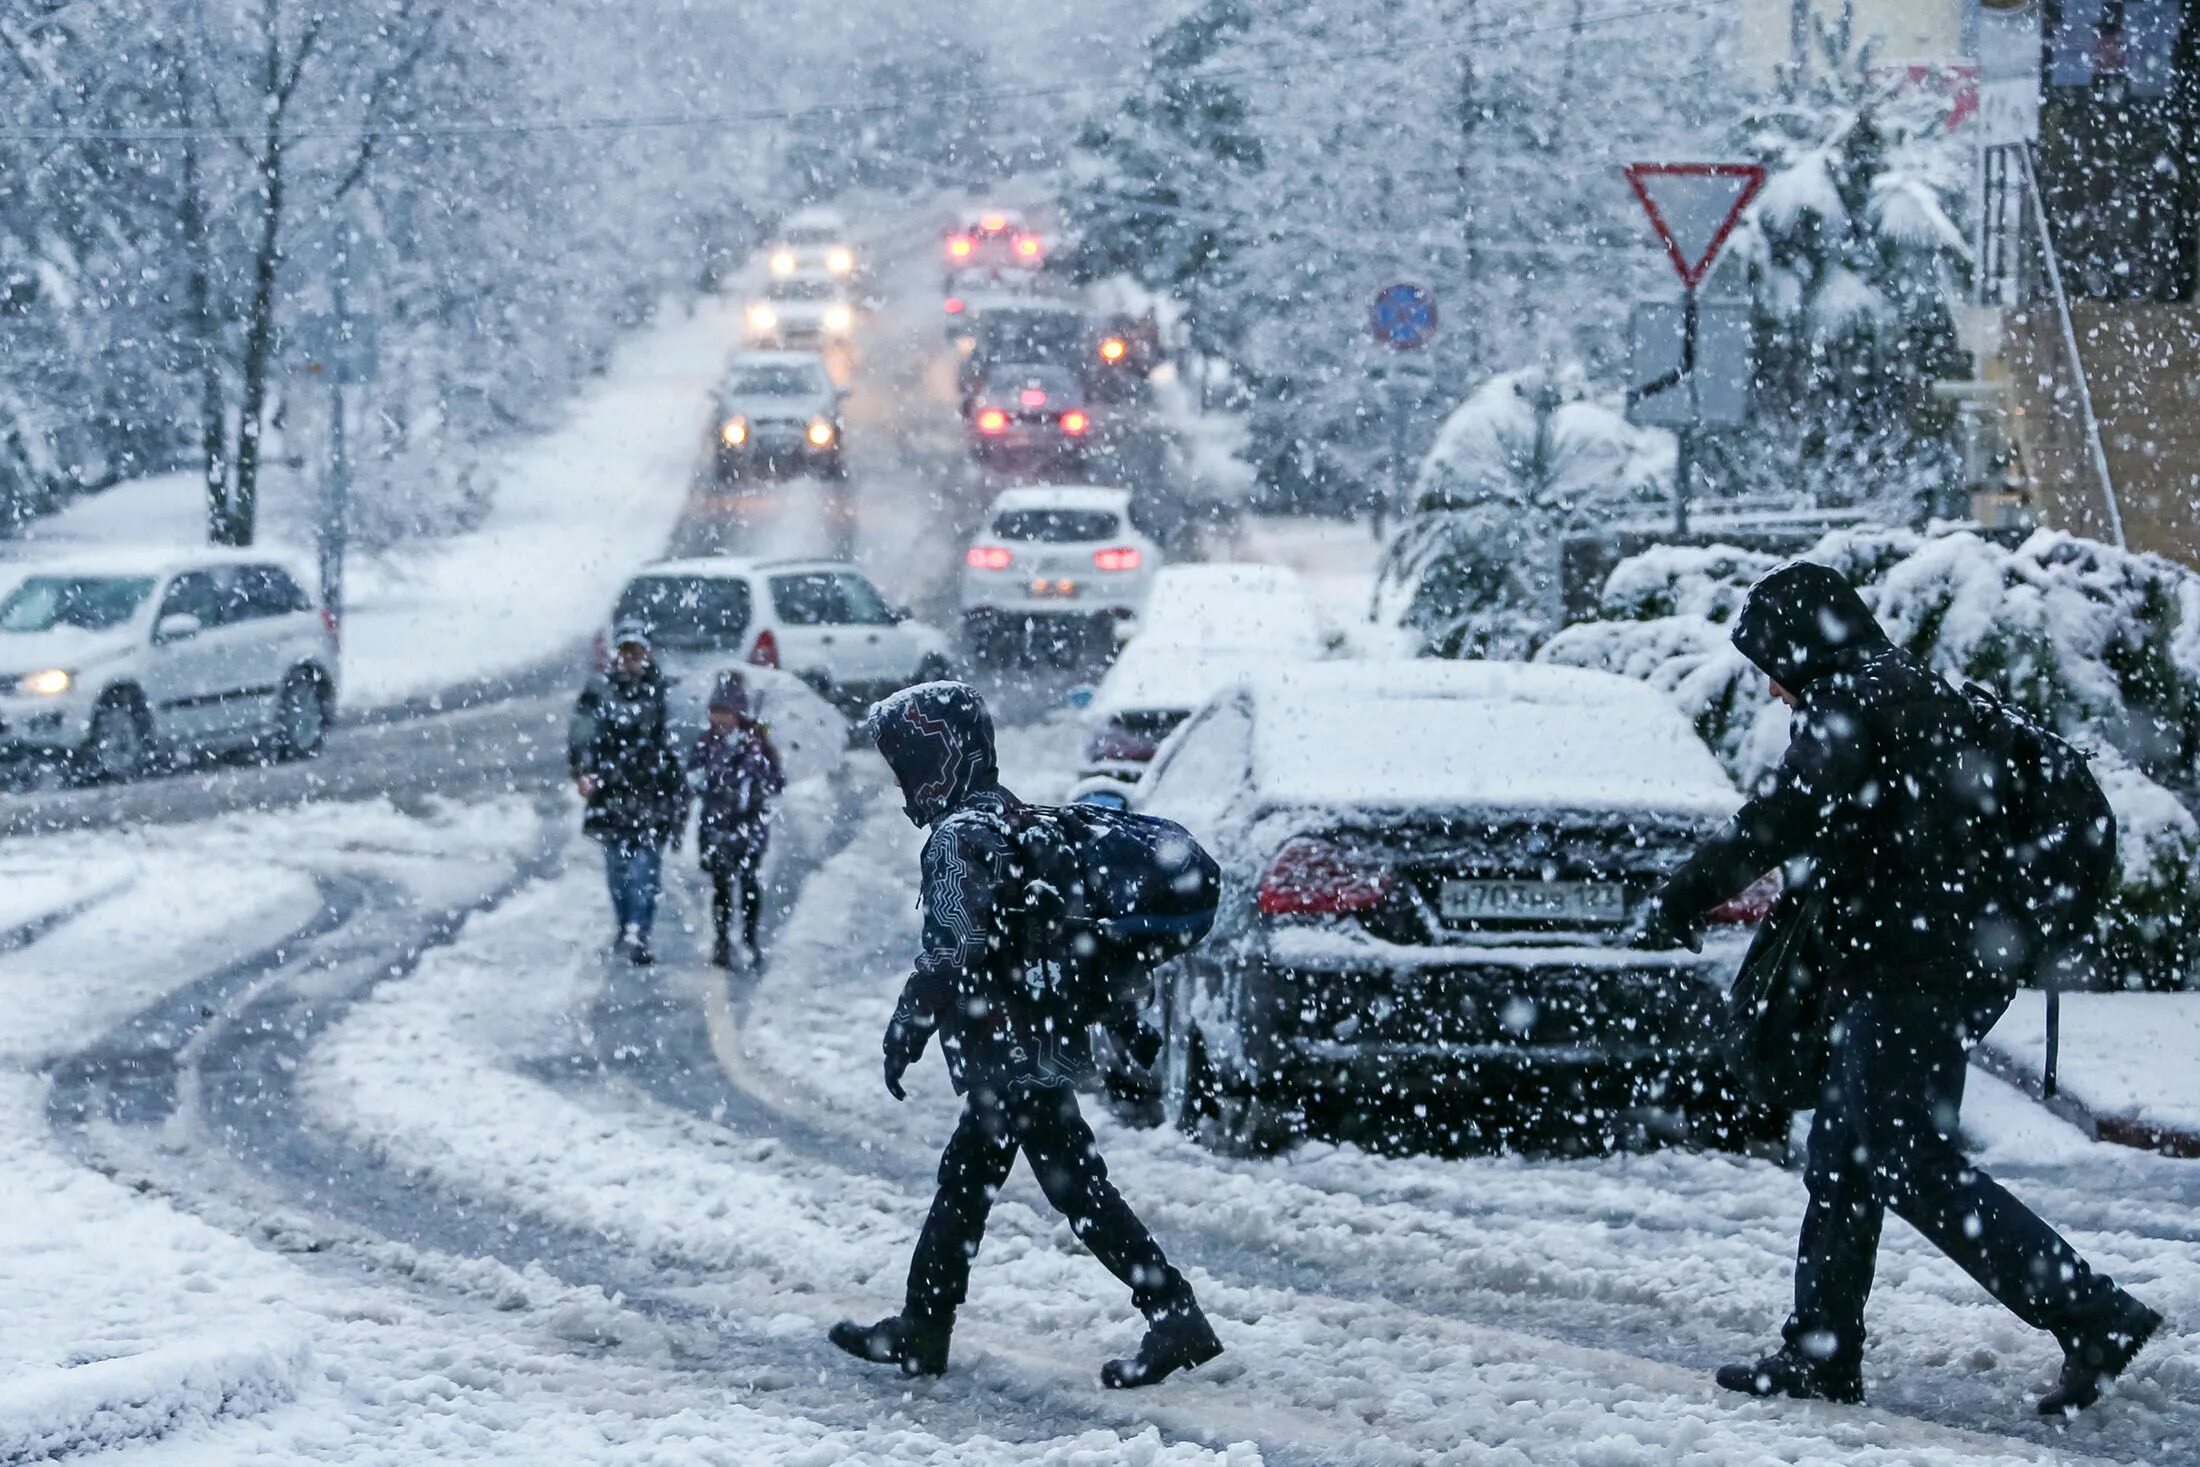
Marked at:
<point>812,112</point>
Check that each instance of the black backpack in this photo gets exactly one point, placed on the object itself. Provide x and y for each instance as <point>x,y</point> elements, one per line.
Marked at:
<point>1106,897</point>
<point>2057,826</point>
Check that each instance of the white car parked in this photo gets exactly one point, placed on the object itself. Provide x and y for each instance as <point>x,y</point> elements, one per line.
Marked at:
<point>1205,626</point>
<point>821,620</point>
<point>107,661</point>
<point>1052,559</point>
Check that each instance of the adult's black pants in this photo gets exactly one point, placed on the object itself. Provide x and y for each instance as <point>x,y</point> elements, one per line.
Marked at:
<point>1043,1123</point>
<point>735,888</point>
<point>1884,1137</point>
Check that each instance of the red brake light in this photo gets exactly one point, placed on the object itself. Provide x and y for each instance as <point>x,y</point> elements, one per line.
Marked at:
<point>603,652</point>
<point>1075,423</point>
<point>987,557</point>
<point>1751,905</point>
<point>959,247</point>
<point>954,304</point>
<point>1032,397</point>
<point>992,420</point>
<point>1117,557</point>
<point>1027,245</point>
<point>993,223</point>
<point>331,625</point>
<point>1312,877</point>
<point>766,651</point>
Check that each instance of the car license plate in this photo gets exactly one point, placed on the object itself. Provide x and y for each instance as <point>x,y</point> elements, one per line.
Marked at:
<point>1060,586</point>
<point>1534,901</point>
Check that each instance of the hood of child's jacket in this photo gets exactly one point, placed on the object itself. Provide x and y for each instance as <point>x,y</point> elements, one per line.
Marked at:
<point>1802,621</point>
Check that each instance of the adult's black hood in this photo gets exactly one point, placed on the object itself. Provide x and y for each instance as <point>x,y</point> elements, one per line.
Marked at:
<point>1800,621</point>
<point>938,738</point>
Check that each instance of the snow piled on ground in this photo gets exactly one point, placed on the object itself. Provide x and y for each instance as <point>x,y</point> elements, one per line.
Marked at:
<point>571,513</point>
<point>2134,1056</point>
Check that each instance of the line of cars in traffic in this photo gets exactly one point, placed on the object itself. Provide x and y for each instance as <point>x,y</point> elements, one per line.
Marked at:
<point>1432,869</point>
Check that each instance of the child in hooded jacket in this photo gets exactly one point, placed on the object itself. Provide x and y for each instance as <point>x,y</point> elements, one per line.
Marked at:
<point>737,778</point>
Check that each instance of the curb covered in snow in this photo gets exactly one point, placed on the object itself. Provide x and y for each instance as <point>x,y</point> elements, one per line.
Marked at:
<point>2118,1130</point>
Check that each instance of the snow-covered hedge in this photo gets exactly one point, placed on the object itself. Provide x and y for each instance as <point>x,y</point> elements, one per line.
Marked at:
<point>2100,643</point>
<point>1474,568</point>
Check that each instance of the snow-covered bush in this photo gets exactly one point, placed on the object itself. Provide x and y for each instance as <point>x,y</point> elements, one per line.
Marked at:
<point>2100,643</point>
<point>1474,568</point>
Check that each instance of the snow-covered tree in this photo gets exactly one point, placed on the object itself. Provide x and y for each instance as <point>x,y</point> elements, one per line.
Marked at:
<point>1474,569</point>
<point>1856,262</point>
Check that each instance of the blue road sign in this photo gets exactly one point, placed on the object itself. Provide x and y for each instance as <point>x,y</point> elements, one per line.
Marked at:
<point>1404,316</point>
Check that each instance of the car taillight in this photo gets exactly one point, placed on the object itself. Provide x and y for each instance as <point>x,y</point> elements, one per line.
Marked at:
<point>992,420</point>
<point>993,223</point>
<point>954,305</point>
<point>1751,905</point>
<point>1117,558</point>
<point>988,557</point>
<point>1114,349</point>
<point>1027,246</point>
<point>1312,877</point>
<point>331,626</point>
<point>1075,423</point>
<point>959,247</point>
<point>766,651</point>
<point>1032,397</point>
<point>602,651</point>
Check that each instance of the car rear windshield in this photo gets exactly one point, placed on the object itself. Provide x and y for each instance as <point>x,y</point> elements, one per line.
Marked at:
<point>93,603</point>
<point>1032,336</point>
<point>773,382</point>
<point>706,613</point>
<point>1056,526</point>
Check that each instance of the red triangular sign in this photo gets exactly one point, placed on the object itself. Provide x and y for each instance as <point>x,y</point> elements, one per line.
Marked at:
<point>1694,207</point>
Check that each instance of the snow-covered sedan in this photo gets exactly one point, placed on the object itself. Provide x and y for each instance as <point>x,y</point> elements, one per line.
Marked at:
<point>1431,869</point>
<point>1058,564</point>
<point>1205,626</point>
<point>1029,417</point>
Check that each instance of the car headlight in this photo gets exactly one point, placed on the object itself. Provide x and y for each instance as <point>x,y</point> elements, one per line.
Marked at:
<point>782,262</point>
<point>840,261</point>
<point>838,319</point>
<point>52,682</point>
<point>821,433</point>
<point>735,433</point>
<point>762,317</point>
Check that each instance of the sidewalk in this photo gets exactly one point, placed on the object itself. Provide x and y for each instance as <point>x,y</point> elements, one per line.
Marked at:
<point>2129,1065</point>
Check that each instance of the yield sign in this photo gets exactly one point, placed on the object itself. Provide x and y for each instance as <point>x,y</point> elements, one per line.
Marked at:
<point>1694,207</point>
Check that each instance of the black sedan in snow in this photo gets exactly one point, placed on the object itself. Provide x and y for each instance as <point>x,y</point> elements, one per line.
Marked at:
<point>1431,870</point>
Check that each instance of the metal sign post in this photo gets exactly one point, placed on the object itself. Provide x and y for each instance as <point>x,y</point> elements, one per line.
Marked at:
<point>1403,317</point>
<point>1693,207</point>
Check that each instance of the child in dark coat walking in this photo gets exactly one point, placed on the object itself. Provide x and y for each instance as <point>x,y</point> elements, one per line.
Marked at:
<point>737,777</point>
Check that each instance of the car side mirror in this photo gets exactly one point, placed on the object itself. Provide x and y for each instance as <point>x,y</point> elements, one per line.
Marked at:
<point>898,614</point>
<point>177,626</point>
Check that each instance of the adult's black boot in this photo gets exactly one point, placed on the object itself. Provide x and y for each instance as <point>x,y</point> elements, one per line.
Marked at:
<point>918,1346</point>
<point>1178,1337</point>
<point>1790,1371</point>
<point>721,952</point>
<point>2100,1355</point>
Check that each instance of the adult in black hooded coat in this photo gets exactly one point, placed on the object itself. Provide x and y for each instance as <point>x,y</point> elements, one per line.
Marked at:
<point>627,769</point>
<point>1883,805</point>
<point>1014,1051</point>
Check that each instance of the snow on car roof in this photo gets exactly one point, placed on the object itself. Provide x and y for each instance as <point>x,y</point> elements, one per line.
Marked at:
<point>1231,605</point>
<point>1157,677</point>
<point>1428,733</point>
<point>1063,496</point>
<point>153,560</point>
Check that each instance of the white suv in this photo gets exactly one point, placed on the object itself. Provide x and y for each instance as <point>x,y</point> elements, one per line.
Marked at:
<point>821,620</point>
<point>107,661</point>
<point>1059,557</point>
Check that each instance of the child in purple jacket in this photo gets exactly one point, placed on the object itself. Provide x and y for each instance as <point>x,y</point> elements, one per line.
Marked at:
<point>736,775</point>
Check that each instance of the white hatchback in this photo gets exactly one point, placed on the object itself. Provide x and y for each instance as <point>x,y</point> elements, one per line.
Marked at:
<point>1053,554</point>
<point>821,620</point>
<point>109,660</point>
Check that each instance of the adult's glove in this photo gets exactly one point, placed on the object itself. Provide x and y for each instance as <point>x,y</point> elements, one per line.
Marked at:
<point>1140,1040</point>
<point>1663,927</point>
<point>904,1046</point>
